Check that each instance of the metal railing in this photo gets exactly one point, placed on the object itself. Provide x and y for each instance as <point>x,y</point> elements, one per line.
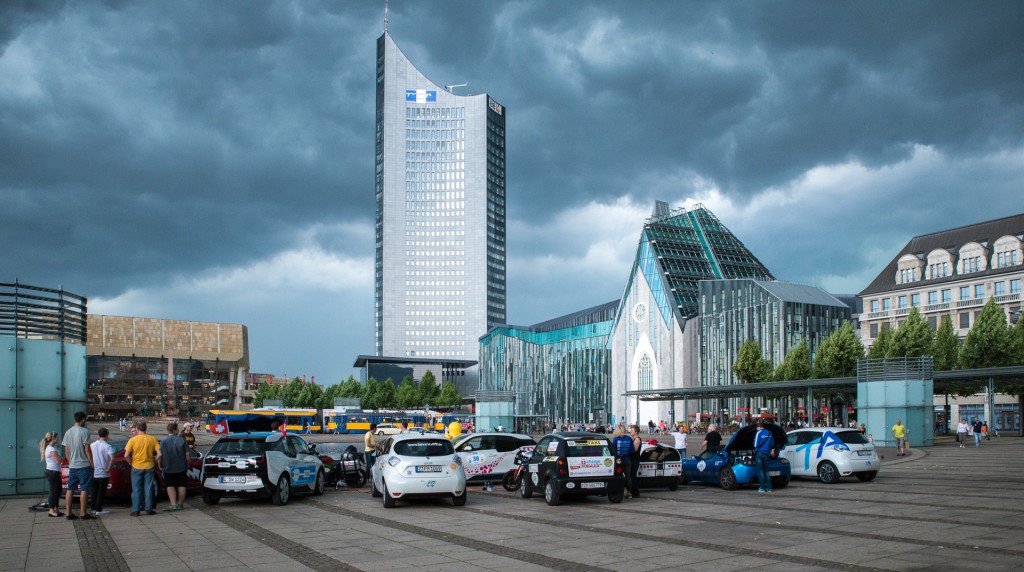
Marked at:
<point>42,313</point>
<point>889,369</point>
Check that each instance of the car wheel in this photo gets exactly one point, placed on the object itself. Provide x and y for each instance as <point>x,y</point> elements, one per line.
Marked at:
<point>210,498</point>
<point>780,482</point>
<point>357,481</point>
<point>616,498</point>
<point>524,488</point>
<point>282,492</point>
<point>865,477</point>
<point>551,493</point>
<point>460,500</point>
<point>727,479</point>
<point>828,473</point>
<point>389,502</point>
<point>321,482</point>
<point>380,433</point>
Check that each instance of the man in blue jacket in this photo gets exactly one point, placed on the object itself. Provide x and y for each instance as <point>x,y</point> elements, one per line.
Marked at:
<point>763,445</point>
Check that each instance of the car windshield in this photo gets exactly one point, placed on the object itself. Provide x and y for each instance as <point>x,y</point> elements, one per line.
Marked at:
<point>852,437</point>
<point>588,448</point>
<point>423,448</point>
<point>237,447</point>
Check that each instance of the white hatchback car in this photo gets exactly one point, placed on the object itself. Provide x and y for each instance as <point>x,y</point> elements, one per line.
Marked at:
<point>418,465</point>
<point>829,453</point>
<point>488,456</point>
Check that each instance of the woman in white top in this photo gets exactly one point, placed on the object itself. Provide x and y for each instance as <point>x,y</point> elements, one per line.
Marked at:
<point>48,452</point>
<point>961,433</point>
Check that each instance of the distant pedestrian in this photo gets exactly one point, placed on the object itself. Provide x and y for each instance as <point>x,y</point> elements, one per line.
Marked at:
<point>188,436</point>
<point>622,445</point>
<point>48,453</point>
<point>79,456</point>
<point>984,430</point>
<point>680,436</point>
<point>174,464</point>
<point>764,443</point>
<point>634,458</point>
<point>899,432</point>
<point>961,433</point>
<point>143,452</point>
<point>712,439</point>
<point>102,459</point>
<point>650,426</point>
<point>976,427</point>
<point>307,427</point>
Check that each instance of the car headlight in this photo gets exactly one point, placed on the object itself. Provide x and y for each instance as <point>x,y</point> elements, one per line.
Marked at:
<point>394,461</point>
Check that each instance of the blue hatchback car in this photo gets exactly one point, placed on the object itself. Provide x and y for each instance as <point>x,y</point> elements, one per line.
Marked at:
<point>733,466</point>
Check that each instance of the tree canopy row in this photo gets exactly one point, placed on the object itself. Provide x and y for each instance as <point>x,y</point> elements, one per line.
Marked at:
<point>372,395</point>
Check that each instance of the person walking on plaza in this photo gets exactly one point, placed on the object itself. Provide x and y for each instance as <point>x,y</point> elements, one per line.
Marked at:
<point>48,453</point>
<point>622,445</point>
<point>79,456</point>
<point>143,452</point>
<point>763,445</point>
<point>634,459</point>
<point>369,447</point>
<point>976,427</point>
<point>174,455</point>
<point>680,436</point>
<point>899,432</point>
<point>961,433</point>
<point>102,459</point>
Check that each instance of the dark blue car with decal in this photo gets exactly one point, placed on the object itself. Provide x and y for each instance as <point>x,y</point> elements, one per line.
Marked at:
<point>830,453</point>
<point>733,466</point>
<point>261,464</point>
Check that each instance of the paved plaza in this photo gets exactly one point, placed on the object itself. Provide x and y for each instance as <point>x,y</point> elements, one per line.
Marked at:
<point>940,508</point>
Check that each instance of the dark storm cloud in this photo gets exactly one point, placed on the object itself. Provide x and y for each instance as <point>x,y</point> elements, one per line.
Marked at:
<point>146,143</point>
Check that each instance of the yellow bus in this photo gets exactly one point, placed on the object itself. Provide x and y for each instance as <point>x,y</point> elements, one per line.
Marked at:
<point>295,420</point>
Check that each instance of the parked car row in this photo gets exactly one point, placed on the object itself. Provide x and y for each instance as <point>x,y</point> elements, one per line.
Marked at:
<point>560,465</point>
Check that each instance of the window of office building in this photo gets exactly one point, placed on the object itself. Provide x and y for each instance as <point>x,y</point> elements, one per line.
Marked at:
<point>886,304</point>
<point>965,320</point>
<point>965,292</point>
<point>932,321</point>
<point>1015,286</point>
<point>933,297</point>
<point>979,291</point>
<point>947,295</point>
<point>874,305</point>
<point>874,330</point>
<point>902,301</point>
<point>915,300</point>
<point>999,288</point>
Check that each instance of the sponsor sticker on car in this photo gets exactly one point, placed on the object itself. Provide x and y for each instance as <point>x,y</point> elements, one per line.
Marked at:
<point>590,466</point>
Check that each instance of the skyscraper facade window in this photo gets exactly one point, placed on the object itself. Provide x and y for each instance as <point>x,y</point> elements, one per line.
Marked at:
<point>439,273</point>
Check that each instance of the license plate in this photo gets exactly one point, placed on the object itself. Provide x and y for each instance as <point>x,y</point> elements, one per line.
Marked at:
<point>591,485</point>
<point>774,473</point>
<point>232,479</point>
<point>428,469</point>
<point>864,453</point>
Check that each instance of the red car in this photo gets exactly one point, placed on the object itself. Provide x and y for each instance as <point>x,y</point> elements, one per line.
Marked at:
<point>120,484</point>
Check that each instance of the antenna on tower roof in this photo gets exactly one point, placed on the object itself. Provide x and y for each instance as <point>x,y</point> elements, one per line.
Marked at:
<point>385,16</point>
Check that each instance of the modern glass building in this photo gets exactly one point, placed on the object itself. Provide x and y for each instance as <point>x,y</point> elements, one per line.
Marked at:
<point>558,370</point>
<point>439,271</point>
<point>656,335</point>
<point>777,315</point>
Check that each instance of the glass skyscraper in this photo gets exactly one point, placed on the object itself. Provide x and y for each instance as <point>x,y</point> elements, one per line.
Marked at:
<point>439,273</point>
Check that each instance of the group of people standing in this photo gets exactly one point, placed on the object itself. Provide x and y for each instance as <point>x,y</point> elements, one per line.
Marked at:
<point>89,466</point>
<point>979,428</point>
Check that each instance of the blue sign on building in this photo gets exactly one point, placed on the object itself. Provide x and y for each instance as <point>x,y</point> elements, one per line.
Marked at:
<point>420,96</point>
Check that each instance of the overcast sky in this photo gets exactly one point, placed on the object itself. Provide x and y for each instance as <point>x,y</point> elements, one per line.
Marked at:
<point>213,161</point>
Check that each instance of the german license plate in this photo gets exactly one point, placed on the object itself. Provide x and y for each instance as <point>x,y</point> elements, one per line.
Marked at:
<point>232,479</point>
<point>591,485</point>
<point>428,468</point>
<point>864,453</point>
<point>774,473</point>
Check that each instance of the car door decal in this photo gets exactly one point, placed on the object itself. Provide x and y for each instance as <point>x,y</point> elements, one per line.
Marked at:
<point>829,439</point>
<point>303,474</point>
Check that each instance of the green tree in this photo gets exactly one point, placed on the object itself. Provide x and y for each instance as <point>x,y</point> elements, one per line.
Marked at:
<point>988,341</point>
<point>351,388</point>
<point>913,338</point>
<point>750,366</point>
<point>310,395</point>
<point>264,392</point>
<point>386,394</point>
<point>1017,342</point>
<point>429,392</point>
<point>290,392</point>
<point>880,348</point>
<point>797,363</point>
<point>946,347</point>
<point>838,354</point>
<point>407,396</point>
<point>449,396</point>
<point>369,397</point>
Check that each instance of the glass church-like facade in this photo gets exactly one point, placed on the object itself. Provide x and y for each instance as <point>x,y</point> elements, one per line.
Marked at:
<point>439,271</point>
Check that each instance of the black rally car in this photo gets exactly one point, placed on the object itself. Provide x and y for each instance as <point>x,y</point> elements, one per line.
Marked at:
<point>573,464</point>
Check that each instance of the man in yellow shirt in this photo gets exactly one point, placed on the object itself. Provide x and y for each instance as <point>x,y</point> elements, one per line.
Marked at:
<point>143,452</point>
<point>899,431</point>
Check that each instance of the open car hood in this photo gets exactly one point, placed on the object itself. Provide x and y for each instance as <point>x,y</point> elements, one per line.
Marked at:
<point>743,440</point>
